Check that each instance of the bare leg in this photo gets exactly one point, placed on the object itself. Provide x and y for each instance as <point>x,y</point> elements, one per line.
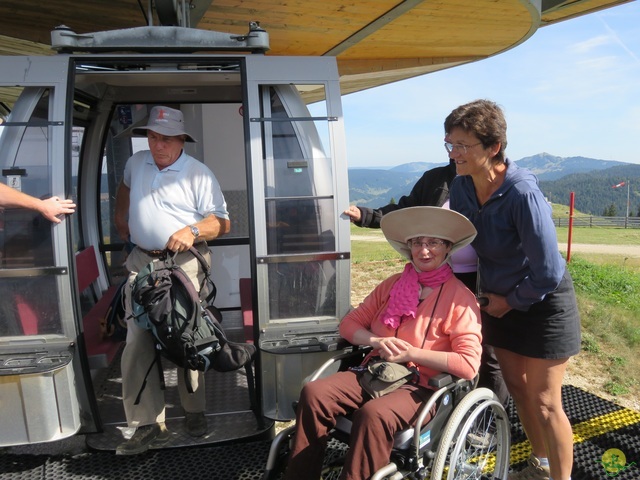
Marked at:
<point>536,387</point>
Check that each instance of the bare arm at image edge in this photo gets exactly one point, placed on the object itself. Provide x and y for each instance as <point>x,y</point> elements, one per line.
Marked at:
<point>51,208</point>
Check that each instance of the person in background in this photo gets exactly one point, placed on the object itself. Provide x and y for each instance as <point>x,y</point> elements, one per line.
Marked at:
<point>52,208</point>
<point>531,318</point>
<point>424,316</point>
<point>167,201</point>
<point>432,189</point>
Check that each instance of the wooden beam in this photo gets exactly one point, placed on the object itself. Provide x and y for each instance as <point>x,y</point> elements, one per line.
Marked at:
<point>374,26</point>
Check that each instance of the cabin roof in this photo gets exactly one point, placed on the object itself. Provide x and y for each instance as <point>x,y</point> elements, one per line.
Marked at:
<point>375,41</point>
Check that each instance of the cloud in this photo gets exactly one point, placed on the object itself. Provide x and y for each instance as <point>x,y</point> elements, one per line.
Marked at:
<point>587,46</point>
<point>614,36</point>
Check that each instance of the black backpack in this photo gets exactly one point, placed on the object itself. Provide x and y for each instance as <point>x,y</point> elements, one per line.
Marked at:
<point>185,325</point>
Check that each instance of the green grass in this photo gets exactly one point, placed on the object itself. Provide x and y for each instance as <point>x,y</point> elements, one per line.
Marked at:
<point>595,235</point>
<point>373,252</point>
<point>366,232</point>
<point>609,285</point>
<point>607,291</point>
<point>609,302</point>
<point>600,236</point>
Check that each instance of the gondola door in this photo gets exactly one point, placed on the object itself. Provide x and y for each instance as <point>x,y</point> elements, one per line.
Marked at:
<point>41,383</point>
<point>300,254</point>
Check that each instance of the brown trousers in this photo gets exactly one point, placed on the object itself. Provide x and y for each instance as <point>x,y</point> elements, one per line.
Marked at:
<point>374,424</point>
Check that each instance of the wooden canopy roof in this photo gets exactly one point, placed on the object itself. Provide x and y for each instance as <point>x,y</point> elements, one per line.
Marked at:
<point>375,41</point>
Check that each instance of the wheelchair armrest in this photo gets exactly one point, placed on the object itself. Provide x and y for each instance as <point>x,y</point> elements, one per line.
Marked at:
<point>335,345</point>
<point>441,380</point>
<point>444,379</point>
<point>349,352</point>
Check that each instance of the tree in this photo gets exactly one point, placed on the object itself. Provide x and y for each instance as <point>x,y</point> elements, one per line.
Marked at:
<point>610,211</point>
<point>392,201</point>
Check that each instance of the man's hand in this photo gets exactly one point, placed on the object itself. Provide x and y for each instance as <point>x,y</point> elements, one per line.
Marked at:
<point>53,208</point>
<point>180,241</point>
<point>210,227</point>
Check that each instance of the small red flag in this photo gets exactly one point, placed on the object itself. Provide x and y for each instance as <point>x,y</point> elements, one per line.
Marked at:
<point>621,184</point>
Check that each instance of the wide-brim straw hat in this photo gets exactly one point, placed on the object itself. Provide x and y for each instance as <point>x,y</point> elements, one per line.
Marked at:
<point>404,224</point>
<point>165,121</point>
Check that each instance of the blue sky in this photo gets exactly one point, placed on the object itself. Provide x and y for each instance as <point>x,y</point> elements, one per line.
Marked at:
<point>572,89</point>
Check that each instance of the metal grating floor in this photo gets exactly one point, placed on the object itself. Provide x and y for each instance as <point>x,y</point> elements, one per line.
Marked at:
<point>599,427</point>
<point>233,461</point>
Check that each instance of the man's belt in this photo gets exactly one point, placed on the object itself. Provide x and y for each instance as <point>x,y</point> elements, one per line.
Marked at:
<point>165,252</point>
<point>154,253</point>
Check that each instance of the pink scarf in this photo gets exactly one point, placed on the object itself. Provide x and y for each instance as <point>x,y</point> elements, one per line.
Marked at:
<point>405,293</point>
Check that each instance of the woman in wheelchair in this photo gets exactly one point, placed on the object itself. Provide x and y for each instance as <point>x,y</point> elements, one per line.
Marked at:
<point>423,317</point>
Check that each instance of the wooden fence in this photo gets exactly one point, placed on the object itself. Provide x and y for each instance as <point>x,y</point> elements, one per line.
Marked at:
<point>593,221</point>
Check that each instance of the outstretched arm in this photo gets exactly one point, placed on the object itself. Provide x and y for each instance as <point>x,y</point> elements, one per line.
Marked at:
<point>51,208</point>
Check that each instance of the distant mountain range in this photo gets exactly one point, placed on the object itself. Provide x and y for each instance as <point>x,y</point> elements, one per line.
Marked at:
<point>591,180</point>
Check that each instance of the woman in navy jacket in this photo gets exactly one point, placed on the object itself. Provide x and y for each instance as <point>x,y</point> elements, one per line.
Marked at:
<point>531,318</point>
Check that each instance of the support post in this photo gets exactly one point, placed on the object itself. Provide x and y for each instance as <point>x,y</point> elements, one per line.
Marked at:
<point>572,197</point>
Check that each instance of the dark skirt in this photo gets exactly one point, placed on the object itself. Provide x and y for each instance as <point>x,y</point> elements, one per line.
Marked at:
<point>550,329</point>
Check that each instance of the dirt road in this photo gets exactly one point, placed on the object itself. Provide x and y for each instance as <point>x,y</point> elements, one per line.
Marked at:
<point>628,250</point>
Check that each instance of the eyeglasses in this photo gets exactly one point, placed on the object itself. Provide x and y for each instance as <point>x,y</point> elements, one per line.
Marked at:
<point>450,147</point>
<point>430,243</point>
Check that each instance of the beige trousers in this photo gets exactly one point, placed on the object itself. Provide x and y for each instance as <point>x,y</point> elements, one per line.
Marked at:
<point>139,353</point>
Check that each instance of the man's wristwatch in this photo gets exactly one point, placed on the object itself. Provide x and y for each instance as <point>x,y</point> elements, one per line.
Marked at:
<point>194,231</point>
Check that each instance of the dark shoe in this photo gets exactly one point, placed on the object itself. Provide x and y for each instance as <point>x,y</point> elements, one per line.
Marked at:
<point>196,424</point>
<point>146,436</point>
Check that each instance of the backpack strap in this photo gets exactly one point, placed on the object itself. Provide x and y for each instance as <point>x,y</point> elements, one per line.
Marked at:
<point>207,295</point>
<point>156,361</point>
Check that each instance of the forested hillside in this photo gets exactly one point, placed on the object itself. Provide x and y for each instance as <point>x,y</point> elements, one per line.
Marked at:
<point>594,192</point>
<point>375,188</point>
<point>558,177</point>
<point>551,167</point>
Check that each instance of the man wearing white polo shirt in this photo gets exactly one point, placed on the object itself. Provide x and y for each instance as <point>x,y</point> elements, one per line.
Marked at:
<point>167,200</point>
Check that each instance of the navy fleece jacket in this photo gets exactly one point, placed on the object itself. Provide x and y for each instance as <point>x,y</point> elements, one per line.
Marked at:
<point>516,242</point>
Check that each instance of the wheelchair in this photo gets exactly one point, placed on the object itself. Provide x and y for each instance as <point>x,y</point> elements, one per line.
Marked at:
<point>466,438</point>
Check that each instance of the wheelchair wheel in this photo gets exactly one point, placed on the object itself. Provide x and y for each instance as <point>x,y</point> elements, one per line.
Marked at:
<point>278,455</point>
<point>278,458</point>
<point>334,459</point>
<point>332,470</point>
<point>476,441</point>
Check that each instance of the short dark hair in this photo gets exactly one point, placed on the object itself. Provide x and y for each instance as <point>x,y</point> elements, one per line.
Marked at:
<point>485,120</point>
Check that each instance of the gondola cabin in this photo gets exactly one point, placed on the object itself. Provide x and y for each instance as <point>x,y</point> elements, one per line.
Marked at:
<point>271,130</point>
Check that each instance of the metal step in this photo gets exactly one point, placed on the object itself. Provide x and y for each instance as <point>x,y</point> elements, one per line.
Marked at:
<point>228,409</point>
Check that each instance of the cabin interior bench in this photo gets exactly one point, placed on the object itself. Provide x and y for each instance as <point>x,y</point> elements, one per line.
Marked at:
<point>100,350</point>
<point>246,305</point>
